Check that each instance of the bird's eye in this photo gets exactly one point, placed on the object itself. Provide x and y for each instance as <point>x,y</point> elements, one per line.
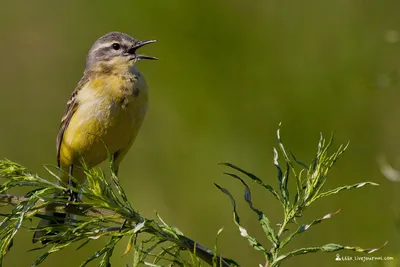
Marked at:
<point>116,46</point>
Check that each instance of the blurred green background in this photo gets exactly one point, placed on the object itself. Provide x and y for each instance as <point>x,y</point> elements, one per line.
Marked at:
<point>229,72</point>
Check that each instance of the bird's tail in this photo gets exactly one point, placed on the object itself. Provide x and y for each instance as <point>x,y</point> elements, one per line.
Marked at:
<point>50,218</point>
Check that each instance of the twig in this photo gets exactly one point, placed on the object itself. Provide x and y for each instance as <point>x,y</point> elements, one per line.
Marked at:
<point>84,210</point>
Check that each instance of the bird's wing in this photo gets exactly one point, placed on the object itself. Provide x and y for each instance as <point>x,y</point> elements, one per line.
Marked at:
<point>70,109</point>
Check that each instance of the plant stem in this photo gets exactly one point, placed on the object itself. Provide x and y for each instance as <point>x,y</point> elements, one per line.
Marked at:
<point>84,210</point>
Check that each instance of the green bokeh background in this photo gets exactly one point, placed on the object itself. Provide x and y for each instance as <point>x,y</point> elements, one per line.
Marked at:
<point>229,72</point>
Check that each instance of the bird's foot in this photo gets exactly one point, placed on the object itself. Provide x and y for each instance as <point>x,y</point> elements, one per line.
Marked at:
<point>72,196</point>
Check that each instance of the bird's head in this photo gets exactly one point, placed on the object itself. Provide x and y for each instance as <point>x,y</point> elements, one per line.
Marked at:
<point>116,49</point>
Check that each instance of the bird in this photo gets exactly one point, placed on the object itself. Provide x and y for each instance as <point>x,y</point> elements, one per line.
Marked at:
<point>103,114</point>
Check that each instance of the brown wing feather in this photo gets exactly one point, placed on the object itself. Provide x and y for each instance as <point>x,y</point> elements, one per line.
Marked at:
<point>70,109</point>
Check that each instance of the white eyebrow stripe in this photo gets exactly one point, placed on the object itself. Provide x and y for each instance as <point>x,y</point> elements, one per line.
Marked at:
<point>108,44</point>
<point>104,45</point>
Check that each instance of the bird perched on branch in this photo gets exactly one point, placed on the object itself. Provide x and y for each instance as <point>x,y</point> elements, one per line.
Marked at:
<point>104,113</point>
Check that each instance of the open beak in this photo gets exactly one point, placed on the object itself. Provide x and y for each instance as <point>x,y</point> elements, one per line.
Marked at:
<point>138,45</point>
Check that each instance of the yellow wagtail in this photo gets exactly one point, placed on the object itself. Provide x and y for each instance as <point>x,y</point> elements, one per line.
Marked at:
<point>104,112</point>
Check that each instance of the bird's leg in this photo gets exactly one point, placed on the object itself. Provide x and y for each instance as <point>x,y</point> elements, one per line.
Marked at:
<point>72,196</point>
<point>70,171</point>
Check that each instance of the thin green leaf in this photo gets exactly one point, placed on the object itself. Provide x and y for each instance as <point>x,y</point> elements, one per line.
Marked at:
<point>215,260</point>
<point>164,251</point>
<point>283,179</point>
<point>303,165</point>
<point>243,232</point>
<point>264,221</point>
<point>325,248</point>
<point>254,178</point>
<point>305,227</point>
<point>280,143</point>
<point>151,264</point>
<point>138,255</point>
<point>129,245</point>
<point>106,252</point>
<point>346,187</point>
<point>83,244</point>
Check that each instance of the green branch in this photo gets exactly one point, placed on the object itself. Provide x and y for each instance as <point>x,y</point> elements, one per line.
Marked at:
<point>310,184</point>
<point>103,212</point>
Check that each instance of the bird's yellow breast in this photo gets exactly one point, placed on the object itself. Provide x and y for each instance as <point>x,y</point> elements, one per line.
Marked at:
<point>110,111</point>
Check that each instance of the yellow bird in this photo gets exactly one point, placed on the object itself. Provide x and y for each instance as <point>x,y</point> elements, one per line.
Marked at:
<point>104,112</point>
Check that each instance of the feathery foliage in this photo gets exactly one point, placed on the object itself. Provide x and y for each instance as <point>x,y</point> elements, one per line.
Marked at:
<point>310,180</point>
<point>105,212</point>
